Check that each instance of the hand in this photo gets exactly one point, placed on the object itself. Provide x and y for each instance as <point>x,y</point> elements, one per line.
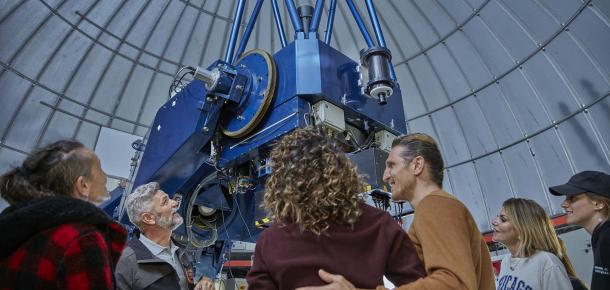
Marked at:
<point>337,282</point>
<point>205,284</point>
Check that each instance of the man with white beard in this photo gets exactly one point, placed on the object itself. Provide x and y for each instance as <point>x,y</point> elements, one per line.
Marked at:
<point>153,260</point>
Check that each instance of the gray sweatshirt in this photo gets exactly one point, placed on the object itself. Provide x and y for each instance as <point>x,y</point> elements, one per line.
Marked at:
<point>541,271</point>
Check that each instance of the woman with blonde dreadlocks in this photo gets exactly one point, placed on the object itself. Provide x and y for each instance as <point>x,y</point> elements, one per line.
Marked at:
<point>320,221</point>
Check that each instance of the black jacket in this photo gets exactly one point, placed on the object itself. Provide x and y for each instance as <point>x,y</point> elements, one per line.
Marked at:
<point>138,268</point>
<point>601,257</point>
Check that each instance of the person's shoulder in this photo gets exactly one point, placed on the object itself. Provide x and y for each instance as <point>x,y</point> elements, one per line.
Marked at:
<point>369,212</point>
<point>128,255</point>
<point>440,200</point>
<point>604,229</point>
<point>66,234</point>
<point>547,258</point>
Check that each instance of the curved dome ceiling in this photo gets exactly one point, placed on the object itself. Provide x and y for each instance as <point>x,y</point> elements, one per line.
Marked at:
<point>516,92</point>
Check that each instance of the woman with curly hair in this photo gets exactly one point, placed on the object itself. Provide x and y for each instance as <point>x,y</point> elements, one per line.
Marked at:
<point>314,197</point>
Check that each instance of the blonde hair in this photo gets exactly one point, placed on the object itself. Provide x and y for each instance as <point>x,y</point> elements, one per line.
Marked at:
<point>535,230</point>
<point>312,184</point>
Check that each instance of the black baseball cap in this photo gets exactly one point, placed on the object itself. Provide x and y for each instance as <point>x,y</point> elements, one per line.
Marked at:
<point>587,181</point>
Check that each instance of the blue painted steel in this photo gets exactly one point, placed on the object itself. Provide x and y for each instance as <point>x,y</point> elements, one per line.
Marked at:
<point>234,31</point>
<point>330,21</point>
<point>376,26</point>
<point>178,147</point>
<point>378,32</point>
<point>176,135</point>
<point>246,36</point>
<point>294,16</point>
<point>255,67</point>
<point>278,23</point>
<point>317,15</point>
<point>360,23</point>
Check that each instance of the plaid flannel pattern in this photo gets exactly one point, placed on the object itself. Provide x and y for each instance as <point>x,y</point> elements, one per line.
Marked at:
<point>70,256</point>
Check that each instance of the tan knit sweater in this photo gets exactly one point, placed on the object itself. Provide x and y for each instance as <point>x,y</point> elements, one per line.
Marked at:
<point>450,245</point>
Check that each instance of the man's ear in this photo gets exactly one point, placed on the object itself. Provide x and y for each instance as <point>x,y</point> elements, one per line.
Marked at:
<point>81,187</point>
<point>418,164</point>
<point>148,218</point>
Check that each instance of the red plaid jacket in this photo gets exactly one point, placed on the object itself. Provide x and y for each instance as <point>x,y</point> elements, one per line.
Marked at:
<point>77,255</point>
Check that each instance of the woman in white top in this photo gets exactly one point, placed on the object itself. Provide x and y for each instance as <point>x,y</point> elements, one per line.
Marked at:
<point>536,261</point>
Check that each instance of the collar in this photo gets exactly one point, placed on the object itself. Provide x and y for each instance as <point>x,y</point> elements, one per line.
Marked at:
<point>155,248</point>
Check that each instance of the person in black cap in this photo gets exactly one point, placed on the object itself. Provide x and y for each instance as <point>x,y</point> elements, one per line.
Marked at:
<point>587,202</point>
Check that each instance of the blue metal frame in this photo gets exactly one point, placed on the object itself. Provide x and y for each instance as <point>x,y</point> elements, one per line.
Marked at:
<point>294,16</point>
<point>360,23</point>
<point>234,31</point>
<point>278,23</point>
<point>373,15</point>
<point>246,36</point>
<point>330,21</point>
<point>378,32</point>
<point>317,15</point>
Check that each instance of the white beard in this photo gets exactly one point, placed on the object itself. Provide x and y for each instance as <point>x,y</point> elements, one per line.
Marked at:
<point>172,222</point>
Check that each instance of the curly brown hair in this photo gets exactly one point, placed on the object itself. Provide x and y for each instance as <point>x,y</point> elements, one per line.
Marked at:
<point>313,184</point>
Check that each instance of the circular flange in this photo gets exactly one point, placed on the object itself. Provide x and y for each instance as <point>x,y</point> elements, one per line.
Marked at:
<point>260,66</point>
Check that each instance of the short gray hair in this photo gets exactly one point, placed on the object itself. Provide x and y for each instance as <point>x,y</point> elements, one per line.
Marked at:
<point>140,201</point>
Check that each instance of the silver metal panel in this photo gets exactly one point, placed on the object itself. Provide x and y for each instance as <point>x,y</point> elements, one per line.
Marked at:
<point>476,130</point>
<point>524,102</point>
<point>501,119</point>
<point>68,58</point>
<point>600,116</point>
<point>61,126</point>
<point>557,96</point>
<point>602,6</point>
<point>509,32</point>
<point>555,167</point>
<point>428,83</point>
<point>106,95</point>
<point>487,45</point>
<point>466,188</point>
<point>582,142</point>
<point>450,74</point>
<point>29,121</point>
<point>478,73</point>
<point>13,87</point>
<point>450,136</point>
<point>537,21</point>
<point>578,69</point>
<point>413,102</point>
<point>458,10</point>
<point>495,186</point>
<point>88,74</point>
<point>131,100</point>
<point>28,59</point>
<point>87,134</point>
<point>438,16</point>
<point>592,31</point>
<point>417,22</point>
<point>561,10</point>
<point>524,174</point>
<point>10,159</point>
<point>18,31</point>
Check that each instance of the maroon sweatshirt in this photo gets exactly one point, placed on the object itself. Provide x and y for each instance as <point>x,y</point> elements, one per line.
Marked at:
<point>285,258</point>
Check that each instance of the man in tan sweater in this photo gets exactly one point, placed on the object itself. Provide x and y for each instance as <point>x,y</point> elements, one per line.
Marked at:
<point>443,231</point>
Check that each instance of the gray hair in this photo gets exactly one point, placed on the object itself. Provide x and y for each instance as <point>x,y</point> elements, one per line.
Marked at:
<point>140,201</point>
